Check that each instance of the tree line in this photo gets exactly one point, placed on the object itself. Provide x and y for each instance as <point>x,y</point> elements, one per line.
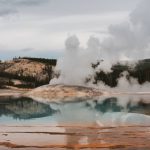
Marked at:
<point>141,72</point>
<point>52,62</point>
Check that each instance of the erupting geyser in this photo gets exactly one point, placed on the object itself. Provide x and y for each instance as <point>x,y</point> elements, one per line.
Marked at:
<point>125,42</point>
<point>75,66</point>
<point>80,65</point>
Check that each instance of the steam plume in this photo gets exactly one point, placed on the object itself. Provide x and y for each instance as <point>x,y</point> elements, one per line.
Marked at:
<point>128,40</point>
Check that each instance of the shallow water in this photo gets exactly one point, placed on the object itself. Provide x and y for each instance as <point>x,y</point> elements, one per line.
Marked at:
<point>106,111</point>
<point>121,122</point>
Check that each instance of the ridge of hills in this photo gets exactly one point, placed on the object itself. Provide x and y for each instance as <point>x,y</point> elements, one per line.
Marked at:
<point>26,72</point>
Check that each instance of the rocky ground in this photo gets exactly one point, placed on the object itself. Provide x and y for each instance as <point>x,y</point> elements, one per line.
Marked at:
<point>74,138</point>
<point>69,136</point>
<point>62,92</point>
<point>13,92</point>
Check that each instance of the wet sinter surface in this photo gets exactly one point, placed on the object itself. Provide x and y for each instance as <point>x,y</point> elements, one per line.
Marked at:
<point>121,123</point>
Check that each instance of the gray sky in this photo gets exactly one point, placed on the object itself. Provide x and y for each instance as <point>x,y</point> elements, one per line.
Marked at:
<point>39,27</point>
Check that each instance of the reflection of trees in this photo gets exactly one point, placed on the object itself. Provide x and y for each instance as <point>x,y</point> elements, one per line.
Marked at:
<point>109,104</point>
<point>24,108</point>
<point>141,107</point>
<point>112,105</point>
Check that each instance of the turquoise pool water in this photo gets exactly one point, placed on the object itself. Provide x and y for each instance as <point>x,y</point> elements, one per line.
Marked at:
<point>104,111</point>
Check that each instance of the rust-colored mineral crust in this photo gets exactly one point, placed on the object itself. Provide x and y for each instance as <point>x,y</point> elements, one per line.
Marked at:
<point>74,137</point>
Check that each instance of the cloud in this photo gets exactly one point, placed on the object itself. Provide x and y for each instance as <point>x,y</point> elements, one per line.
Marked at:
<point>22,2</point>
<point>75,7</point>
<point>27,49</point>
<point>45,24</point>
<point>68,7</point>
<point>75,66</point>
<point>28,2</point>
<point>130,38</point>
<point>6,12</point>
<point>10,7</point>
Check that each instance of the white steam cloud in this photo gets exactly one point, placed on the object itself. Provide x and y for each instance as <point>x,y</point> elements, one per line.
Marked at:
<point>75,65</point>
<point>128,40</point>
<point>126,86</point>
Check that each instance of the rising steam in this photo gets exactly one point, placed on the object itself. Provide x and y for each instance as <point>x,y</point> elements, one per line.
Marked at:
<point>75,65</point>
<point>129,40</point>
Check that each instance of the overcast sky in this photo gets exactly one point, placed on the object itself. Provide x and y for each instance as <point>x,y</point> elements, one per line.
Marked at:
<point>39,27</point>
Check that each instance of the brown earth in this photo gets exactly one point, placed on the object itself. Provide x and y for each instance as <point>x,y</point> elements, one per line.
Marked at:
<point>74,137</point>
<point>23,67</point>
<point>13,92</point>
<point>24,73</point>
<point>62,92</point>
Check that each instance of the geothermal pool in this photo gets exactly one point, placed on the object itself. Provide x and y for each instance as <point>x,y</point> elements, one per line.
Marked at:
<point>121,123</point>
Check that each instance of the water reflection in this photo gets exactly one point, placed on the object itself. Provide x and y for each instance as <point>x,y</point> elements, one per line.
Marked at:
<point>24,108</point>
<point>105,111</point>
<point>79,124</point>
<point>112,105</point>
<point>112,111</point>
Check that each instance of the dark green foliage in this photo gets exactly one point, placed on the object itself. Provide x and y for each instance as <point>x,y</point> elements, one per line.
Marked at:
<point>108,78</point>
<point>49,70</point>
<point>52,62</point>
<point>30,81</point>
<point>141,72</point>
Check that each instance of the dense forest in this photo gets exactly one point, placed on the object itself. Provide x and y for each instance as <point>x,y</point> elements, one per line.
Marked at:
<point>51,62</point>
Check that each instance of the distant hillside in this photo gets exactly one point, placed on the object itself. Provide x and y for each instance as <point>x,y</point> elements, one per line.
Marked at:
<point>26,72</point>
<point>42,60</point>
